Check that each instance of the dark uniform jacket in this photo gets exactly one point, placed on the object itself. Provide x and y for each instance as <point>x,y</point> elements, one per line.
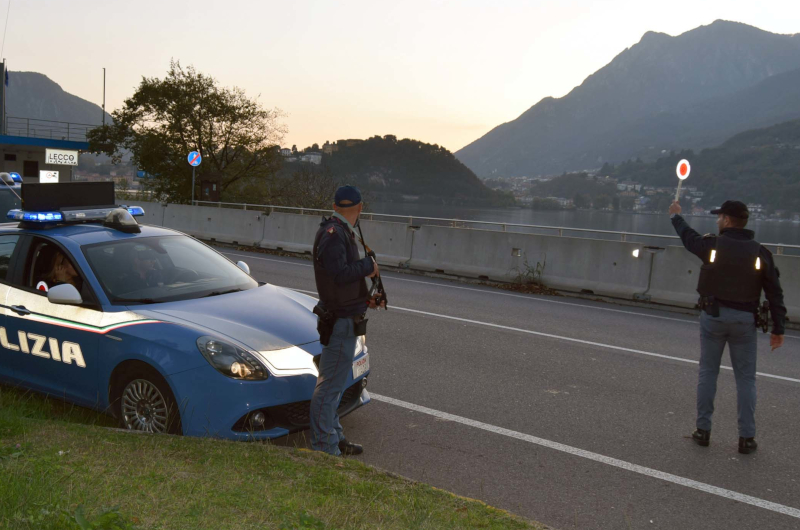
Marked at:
<point>339,271</point>
<point>701,246</point>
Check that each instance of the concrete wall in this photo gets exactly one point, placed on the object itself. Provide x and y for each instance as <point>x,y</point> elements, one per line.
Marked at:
<point>573,264</point>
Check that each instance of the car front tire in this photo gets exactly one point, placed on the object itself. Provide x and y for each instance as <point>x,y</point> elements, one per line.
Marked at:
<point>146,403</point>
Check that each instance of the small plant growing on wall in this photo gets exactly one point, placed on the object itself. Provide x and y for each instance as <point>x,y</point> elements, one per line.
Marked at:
<point>530,274</point>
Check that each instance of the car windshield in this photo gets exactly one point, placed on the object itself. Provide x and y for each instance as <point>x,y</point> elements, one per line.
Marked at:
<point>150,270</point>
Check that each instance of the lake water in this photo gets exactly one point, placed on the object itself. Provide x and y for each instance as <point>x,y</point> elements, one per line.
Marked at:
<point>786,233</point>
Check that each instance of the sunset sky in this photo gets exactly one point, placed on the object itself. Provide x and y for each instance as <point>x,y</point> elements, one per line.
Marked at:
<point>441,72</point>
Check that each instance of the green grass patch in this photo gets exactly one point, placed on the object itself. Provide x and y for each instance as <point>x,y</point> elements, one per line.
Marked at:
<point>62,468</point>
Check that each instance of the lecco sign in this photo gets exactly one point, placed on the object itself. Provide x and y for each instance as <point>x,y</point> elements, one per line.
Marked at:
<point>61,157</point>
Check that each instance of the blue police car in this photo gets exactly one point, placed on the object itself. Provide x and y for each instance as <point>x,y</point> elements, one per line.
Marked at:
<point>151,325</point>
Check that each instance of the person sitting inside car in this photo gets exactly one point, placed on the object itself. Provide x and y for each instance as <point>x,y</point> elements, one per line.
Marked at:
<point>144,270</point>
<point>62,271</point>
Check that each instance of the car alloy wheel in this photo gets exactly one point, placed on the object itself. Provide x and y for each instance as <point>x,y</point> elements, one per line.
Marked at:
<point>144,407</point>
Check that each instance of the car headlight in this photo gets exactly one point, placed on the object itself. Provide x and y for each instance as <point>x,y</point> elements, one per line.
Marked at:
<point>231,360</point>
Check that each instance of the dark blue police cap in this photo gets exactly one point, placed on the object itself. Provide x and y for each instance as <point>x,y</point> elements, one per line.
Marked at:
<point>734,209</point>
<point>345,194</point>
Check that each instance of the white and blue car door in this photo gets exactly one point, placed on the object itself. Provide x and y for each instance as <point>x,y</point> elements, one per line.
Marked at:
<point>57,344</point>
<point>9,361</point>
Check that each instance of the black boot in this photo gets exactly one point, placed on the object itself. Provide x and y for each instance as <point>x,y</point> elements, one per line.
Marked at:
<point>349,448</point>
<point>702,437</point>
<point>747,445</point>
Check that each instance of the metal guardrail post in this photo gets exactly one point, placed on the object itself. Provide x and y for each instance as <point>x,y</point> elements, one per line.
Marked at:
<point>245,207</point>
<point>624,237</point>
<point>560,232</point>
<point>780,251</point>
<point>504,228</point>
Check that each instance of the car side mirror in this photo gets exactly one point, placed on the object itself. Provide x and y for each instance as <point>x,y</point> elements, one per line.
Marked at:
<point>65,293</point>
<point>242,265</point>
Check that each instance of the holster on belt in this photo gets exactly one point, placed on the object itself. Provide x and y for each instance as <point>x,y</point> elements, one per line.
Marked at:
<point>360,325</point>
<point>710,305</point>
<point>325,321</point>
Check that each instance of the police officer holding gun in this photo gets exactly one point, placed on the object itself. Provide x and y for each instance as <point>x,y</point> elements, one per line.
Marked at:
<point>735,270</point>
<point>344,298</point>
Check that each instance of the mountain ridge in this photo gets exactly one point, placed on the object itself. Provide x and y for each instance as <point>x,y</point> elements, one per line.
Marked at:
<point>34,95</point>
<point>658,74</point>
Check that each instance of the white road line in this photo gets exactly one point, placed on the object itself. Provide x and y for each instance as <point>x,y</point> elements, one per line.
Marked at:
<point>568,339</point>
<point>635,468</point>
<point>532,298</point>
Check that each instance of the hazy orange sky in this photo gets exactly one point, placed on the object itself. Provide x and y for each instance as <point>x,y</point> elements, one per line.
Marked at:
<point>441,72</point>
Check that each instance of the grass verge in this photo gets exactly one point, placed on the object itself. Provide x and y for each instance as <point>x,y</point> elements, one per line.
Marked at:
<point>61,467</point>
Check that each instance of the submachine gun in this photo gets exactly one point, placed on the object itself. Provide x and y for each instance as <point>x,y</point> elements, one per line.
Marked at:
<point>377,282</point>
<point>762,317</point>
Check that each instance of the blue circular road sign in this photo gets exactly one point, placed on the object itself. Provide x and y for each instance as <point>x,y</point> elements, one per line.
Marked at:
<point>194,158</point>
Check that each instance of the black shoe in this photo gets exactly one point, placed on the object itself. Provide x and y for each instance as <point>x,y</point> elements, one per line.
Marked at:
<point>349,448</point>
<point>702,437</point>
<point>747,445</point>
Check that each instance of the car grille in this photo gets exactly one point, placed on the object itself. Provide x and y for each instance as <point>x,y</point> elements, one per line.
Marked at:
<point>296,415</point>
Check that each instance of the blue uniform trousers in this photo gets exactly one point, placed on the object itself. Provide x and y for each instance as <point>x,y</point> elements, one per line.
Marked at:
<point>738,330</point>
<point>335,365</point>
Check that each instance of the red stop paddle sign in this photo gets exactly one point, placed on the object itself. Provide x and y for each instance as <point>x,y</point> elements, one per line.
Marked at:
<point>683,169</point>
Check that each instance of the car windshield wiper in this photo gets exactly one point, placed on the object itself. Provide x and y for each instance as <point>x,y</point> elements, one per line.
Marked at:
<point>217,293</point>
<point>136,300</point>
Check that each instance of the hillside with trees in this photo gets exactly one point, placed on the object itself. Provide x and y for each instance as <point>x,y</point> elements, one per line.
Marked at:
<point>408,170</point>
<point>758,166</point>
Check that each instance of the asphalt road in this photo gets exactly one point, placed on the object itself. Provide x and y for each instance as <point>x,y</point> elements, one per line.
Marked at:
<point>573,413</point>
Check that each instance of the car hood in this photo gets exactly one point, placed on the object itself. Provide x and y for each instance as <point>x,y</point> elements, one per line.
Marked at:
<point>263,319</point>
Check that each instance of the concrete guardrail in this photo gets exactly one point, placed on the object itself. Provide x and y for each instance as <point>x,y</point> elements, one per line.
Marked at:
<point>666,275</point>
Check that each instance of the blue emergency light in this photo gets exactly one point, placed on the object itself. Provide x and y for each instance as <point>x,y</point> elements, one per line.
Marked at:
<point>89,214</point>
<point>15,177</point>
<point>40,217</point>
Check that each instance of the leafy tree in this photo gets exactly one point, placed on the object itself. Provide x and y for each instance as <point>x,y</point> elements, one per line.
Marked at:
<point>187,111</point>
<point>309,187</point>
<point>626,203</point>
<point>581,200</point>
<point>602,201</point>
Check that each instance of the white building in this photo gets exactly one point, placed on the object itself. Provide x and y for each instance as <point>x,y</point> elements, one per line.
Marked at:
<point>314,158</point>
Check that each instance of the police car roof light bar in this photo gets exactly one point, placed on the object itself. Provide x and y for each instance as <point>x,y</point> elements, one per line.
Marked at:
<point>75,216</point>
<point>40,217</point>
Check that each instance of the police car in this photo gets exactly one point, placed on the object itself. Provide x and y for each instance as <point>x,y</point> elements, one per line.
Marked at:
<point>152,325</point>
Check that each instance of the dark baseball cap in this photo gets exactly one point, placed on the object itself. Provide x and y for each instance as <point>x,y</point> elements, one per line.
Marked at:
<point>734,209</point>
<point>345,194</point>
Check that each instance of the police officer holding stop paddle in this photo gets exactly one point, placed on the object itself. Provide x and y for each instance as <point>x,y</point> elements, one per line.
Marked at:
<point>341,276</point>
<point>735,270</point>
